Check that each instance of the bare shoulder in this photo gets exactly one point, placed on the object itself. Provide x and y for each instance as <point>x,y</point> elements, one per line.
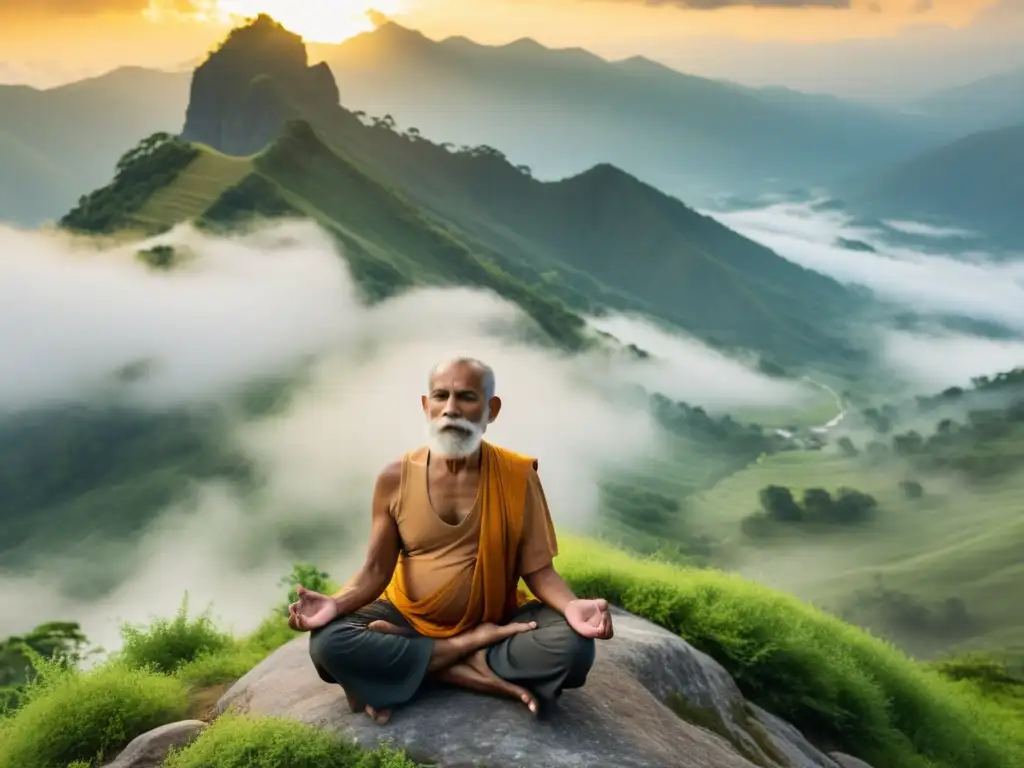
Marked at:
<point>390,478</point>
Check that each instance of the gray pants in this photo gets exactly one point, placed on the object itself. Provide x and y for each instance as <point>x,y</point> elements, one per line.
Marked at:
<point>386,671</point>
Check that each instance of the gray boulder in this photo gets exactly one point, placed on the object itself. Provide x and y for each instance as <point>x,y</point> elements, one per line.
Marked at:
<point>151,748</point>
<point>651,700</point>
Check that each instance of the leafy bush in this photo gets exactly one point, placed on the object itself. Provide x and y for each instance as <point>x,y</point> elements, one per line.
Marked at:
<point>69,715</point>
<point>836,683</point>
<point>165,646</point>
<point>270,742</point>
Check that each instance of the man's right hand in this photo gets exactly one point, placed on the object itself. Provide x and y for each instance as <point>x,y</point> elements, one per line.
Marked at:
<point>311,611</point>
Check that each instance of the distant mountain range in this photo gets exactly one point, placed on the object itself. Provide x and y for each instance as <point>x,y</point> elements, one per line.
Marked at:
<point>991,102</point>
<point>270,139</point>
<point>561,111</point>
<point>56,143</point>
<point>976,183</point>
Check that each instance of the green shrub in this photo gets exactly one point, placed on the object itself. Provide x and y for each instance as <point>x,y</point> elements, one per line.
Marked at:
<point>840,686</point>
<point>167,645</point>
<point>269,742</point>
<point>70,715</point>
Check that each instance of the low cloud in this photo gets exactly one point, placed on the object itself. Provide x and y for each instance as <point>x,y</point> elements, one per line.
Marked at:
<point>684,368</point>
<point>972,287</point>
<point>932,362</point>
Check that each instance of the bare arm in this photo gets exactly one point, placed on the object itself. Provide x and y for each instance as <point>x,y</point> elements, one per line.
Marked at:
<point>550,588</point>
<point>382,552</point>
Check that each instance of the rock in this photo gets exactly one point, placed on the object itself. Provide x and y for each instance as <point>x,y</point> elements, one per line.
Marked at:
<point>788,745</point>
<point>242,95</point>
<point>651,700</point>
<point>847,761</point>
<point>151,748</point>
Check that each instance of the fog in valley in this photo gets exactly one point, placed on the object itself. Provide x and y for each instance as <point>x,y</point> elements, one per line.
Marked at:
<point>974,286</point>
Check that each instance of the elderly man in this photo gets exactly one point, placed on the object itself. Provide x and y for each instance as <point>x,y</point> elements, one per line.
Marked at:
<point>455,526</point>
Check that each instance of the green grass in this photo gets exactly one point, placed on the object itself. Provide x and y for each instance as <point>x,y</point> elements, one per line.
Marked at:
<point>270,742</point>
<point>194,190</point>
<point>954,542</point>
<point>88,715</point>
<point>843,688</point>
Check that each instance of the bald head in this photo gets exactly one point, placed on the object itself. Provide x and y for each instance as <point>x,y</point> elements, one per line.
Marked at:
<point>483,371</point>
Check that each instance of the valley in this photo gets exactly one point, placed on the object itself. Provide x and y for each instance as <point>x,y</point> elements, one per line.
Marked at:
<point>787,429</point>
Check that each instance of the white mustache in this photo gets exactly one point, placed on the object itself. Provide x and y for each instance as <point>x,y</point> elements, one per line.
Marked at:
<point>444,422</point>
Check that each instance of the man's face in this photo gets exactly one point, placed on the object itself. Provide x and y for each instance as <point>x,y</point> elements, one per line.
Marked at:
<point>457,413</point>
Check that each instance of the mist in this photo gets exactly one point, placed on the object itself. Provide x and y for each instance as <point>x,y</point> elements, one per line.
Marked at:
<point>685,368</point>
<point>972,286</point>
<point>274,302</point>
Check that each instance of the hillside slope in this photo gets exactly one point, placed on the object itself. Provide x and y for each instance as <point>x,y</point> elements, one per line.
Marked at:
<point>599,240</point>
<point>56,143</point>
<point>976,182</point>
<point>684,134</point>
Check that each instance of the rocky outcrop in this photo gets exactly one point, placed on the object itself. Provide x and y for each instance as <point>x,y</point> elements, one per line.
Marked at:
<point>651,700</point>
<point>151,748</point>
<point>244,92</point>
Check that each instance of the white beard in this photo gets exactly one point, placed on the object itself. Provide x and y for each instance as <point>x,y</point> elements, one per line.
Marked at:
<point>455,444</point>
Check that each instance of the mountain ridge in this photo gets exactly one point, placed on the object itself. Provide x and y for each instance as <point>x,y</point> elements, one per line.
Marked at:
<point>699,134</point>
<point>974,182</point>
<point>600,240</point>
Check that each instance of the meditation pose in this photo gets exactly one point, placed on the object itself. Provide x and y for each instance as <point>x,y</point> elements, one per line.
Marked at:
<point>455,526</point>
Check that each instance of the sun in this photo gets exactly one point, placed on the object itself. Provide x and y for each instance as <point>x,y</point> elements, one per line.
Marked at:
<point>317,21</point>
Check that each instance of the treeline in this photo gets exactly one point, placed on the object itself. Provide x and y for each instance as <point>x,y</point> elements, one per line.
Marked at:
<point>817,509</point>
<point>150,165</point>
<point>744,442</point>
<point>910,620</point>
<point>985,442</point>
<point>61,642</point>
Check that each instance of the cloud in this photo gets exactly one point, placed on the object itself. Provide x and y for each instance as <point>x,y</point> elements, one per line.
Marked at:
<point>684,368</point>
<point>971,286</point>
<point>932,362</point>
<point>262,304</point>
<point>708,5</point>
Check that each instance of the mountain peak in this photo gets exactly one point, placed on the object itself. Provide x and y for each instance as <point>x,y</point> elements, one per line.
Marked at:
<point>249,86</point>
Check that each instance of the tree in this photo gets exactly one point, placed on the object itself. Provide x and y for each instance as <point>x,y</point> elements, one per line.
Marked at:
<point>818,504</point>
<point>777,501</point>
<point>852,506</point>
<point>912,489</point>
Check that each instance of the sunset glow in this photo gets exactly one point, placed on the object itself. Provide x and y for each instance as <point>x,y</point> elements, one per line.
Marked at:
<point>316,20</point>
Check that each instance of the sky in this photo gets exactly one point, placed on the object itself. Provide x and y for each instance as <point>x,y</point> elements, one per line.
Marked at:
<point>883,49</point>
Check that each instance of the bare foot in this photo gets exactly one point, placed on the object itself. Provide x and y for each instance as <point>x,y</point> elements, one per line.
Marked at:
<point>379,716</point>
<point>474,673</point>
<point>485,635</point>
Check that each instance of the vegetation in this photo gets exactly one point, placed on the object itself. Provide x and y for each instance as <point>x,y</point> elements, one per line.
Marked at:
<point>819,508</point>
<point>140,172</point>
<point>843,688</point>
<point>71,472</point>
<point>938,566</point>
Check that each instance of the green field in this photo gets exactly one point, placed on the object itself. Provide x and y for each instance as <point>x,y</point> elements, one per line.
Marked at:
<point>953,542</point>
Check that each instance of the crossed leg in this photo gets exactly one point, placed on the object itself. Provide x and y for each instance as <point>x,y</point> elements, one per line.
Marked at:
<point>381,662</point>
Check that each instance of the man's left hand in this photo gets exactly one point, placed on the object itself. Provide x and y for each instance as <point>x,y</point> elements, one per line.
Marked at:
<point>590,618</point>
